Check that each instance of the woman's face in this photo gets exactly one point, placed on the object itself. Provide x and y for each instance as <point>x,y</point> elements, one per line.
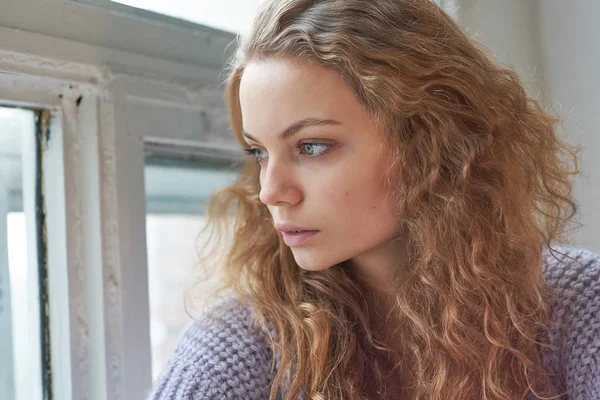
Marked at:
<point>321,162</point>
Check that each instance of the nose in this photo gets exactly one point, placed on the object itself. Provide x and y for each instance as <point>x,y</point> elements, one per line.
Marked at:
<point>278,186</point>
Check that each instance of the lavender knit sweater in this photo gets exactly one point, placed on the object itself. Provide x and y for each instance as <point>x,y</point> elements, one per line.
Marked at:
<point>219,357</point>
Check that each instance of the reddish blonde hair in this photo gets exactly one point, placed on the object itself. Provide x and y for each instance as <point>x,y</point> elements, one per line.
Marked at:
<point>479,179</point>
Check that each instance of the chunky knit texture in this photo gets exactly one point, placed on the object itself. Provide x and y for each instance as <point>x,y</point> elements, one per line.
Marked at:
<point>220,357</point>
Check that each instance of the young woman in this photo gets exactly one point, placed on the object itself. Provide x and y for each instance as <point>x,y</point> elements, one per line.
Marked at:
<point>391,237</point>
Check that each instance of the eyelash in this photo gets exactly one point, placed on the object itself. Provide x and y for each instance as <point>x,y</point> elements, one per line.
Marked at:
<point>254,151</point>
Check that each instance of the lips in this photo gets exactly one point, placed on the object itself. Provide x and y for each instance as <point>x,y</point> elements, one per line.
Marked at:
<point>297,239</point>
<point>294,235</point>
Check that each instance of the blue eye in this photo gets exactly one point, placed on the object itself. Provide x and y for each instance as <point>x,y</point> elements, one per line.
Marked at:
<point>314,149</point>
<point>258,153</point>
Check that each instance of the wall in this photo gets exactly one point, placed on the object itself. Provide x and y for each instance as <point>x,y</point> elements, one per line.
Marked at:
<point>555,47</point>
<point>570,42</point>
<point>509,29</point>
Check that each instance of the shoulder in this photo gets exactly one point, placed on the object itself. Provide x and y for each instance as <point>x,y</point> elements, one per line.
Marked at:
<point>576,266</point>
<point>219,356</point>
<point>575,320</point>
<point>574,278</point>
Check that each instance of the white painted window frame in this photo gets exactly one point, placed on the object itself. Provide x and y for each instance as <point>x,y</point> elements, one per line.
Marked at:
<point>117,84</point>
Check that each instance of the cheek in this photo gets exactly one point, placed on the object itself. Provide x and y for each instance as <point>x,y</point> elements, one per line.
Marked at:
<point>354,203</point>
<point>331,190</point>
<point>352,192</point>
<point>364,201</point>
<point>363,188</point>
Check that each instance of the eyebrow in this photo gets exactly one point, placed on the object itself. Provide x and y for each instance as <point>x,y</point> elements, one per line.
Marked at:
<point>298,126</point>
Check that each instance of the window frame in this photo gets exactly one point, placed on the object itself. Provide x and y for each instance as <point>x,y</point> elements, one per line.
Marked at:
<point>105,89</point>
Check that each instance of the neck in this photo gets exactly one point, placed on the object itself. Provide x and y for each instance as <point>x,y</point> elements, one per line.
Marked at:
<point>380,266</point>
<point>377,270</point>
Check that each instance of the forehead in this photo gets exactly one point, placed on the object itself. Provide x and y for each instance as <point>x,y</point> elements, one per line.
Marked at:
<point>277,75</point>
<point>277,92</point>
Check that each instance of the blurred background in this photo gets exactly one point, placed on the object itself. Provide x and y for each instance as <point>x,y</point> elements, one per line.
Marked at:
<point>552,44</point>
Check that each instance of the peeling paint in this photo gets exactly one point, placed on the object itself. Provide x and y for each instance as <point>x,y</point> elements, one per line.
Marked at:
<point>42,134</point>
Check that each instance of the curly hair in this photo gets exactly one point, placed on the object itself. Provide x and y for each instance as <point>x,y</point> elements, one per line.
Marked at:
<point>476,174</point>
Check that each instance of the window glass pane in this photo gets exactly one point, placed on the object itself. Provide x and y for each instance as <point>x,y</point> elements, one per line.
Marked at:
<point>175,195</point>
<point>229,15</point>
<point>20,361</point>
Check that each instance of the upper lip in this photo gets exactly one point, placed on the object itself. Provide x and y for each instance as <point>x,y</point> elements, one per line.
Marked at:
<point>287,227</point>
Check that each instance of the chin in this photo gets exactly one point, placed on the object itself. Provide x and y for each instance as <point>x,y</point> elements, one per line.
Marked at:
<point>311,264</point>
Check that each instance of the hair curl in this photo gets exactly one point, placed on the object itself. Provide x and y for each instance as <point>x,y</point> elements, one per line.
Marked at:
<point>478,176</point>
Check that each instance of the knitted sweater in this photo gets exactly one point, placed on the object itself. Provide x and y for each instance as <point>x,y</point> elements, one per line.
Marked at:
<point>219,357</point>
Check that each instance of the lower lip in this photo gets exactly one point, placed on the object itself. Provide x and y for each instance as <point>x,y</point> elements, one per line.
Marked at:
<point>298,239</point>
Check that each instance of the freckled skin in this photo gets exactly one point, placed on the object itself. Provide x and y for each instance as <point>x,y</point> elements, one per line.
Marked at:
<point>341,194</point>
